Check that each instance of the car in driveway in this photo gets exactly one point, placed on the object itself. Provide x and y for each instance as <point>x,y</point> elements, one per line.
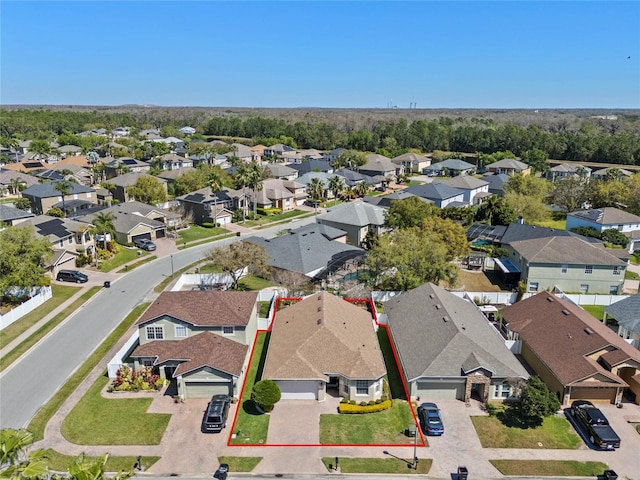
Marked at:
<point>595,424</point>
<point>145,244</point>
<point>71,276</point>
<point>215,418</point>
<point>430,420</point>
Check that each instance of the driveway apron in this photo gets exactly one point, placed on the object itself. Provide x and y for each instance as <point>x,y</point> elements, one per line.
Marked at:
<point>298,421</point>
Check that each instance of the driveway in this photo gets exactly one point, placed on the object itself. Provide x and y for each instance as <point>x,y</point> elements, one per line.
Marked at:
<point>298,421</point>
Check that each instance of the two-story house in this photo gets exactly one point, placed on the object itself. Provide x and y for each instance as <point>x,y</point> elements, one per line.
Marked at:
<point>355,218</point>
<point>601,219</point>
<point>509,166</point>
<point>44,196</point>
<point>411,162</point>
<point>199,339</point>
<point>475,189</point>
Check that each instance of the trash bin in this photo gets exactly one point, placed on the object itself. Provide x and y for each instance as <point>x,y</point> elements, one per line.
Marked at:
<point>237,234</point>
<point>221,472</point>
<point>107,284</point>
<point>463,473</point>
<point>610,475</point>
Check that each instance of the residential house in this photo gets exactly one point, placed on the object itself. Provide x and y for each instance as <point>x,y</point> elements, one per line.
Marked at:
<point>312,252</point>
<point>283,172</point>
<point>199,340</point>
<point>277,150</point>
<point>385,201</point>
<point>496,182</point>
<point>10,215</point>
<point>411,162</point>
<point>351,178</point>
<point>617,173</point>
<point>577,356</point>
<point>441,194</point>
<point>333,154</point>
<point>447,348</point>
<point>69,238</point>
<point>134,220</point>
<point>69,150</point>
<point>276,193</point>
<point>187,130</point>
<point>566,170</point>
<point>450,167</point>
<point>378,165</point>
<point>601,219</point>
<point>308,177</point>
<point>50,175</point>
<point>117,166</point>
<point>311,154</point>
<point>44,196</point>
<point>570,263</point>
<point>119,186</point>
<point>509,166</point>
<point>74,173</point>
<point>172,175</point>
<point>475,189</point>
<point>312,166</point>
<point>626,313</point>
<point>171,161</point>
<point>206,206</point>
<point>10,177</point>
<point>244,153</point>
<point>356,218</point>
<point>323,346</point>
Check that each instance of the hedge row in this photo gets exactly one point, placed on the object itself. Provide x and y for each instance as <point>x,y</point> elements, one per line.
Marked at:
<point>378,407</point>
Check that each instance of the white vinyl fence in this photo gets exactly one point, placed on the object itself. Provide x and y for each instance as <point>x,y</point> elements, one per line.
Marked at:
<point>38,297</point>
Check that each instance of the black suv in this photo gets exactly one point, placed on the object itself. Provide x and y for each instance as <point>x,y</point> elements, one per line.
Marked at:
<point>217,412</point>
<point>71,276</point>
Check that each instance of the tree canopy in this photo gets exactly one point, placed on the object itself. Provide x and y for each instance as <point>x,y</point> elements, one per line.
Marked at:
<point>266,394</point>
<point>537,400</point>
<point>409,212</point>
<point>23,258</point>
<point>233,258</point>
<point>149,190</point>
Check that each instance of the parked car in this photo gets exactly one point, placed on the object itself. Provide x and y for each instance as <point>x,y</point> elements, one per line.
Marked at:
<point>595,424</point>
<point>145,244</point>
<point>222,471</point>
<point>217,412</point>
<point>72,276</point>
<point>429,418</point>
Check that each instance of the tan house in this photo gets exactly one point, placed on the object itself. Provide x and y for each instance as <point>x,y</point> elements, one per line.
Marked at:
<point>577,356</point>
<point>323,346</point>
<point>199,339</point>
<point>44,196</point>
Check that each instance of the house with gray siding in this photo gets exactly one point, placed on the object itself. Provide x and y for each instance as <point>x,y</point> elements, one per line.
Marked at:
<point>355,218</point>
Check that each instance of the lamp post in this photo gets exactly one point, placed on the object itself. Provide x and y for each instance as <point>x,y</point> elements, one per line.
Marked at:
<point>171,257</point>
<point>414,431</point>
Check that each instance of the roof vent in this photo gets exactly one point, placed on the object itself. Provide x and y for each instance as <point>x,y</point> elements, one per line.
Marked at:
<point>550,299</point>
<point>431,295</point>
<point>565,312</point>
<point>438,306</point>
<point>445,318</point>
<point>588,330</point>
<point>319,322</point>
<point>320,308</point>
<point>319,297</point>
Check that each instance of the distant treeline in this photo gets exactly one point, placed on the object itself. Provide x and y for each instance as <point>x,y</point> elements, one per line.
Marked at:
<point>593,140</point>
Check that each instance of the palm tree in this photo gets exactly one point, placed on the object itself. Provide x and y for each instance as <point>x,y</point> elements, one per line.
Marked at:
<point>64,187</point>
<point>14,185</point>
<point>336,185</point>
<point>93,469</point>
<point>315,189</point>
<point>242,179</point>
<point>104,223</point>
<point>14,461</point>
<point>215,182</point>
<point>255,177</point>
<point>361,188</point>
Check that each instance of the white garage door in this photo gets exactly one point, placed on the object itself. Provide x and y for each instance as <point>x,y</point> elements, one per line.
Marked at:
<point>298,389</point>
<point>440,390</point>
<point>206,389</point>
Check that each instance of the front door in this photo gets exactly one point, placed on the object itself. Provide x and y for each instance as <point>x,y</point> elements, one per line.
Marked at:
<point>168,372</point>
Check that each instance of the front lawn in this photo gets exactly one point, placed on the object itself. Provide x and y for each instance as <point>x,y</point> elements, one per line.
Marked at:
<point>124,255</point>
<point>96,420</point>
<point>549,468</point>
<point>197,232</point>
<point>506,430</point>
<point>250,426</point>
<point>264,219</point>
<point>240,464</point>
<point>378,428</point>
<point>60,463</point>
<point>378,465</point>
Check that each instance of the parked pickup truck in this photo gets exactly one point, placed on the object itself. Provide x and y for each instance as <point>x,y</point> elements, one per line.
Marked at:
<point>595,424</point>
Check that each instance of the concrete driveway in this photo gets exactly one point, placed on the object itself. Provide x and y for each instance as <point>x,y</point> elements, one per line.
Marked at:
<point>298,421</point>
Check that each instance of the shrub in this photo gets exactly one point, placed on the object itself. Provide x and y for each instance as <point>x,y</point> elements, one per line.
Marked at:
<point>371,402</point>
<point>352,402</point>
<point>266,394</point>
<point>344,400</point>
<point>207,225</point>
<point>363,404</point>
<point>352,408</point>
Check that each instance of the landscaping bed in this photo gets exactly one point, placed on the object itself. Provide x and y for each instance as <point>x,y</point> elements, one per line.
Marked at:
<point>546,468</point>
<point>240,464</point>
<point>378,465</point>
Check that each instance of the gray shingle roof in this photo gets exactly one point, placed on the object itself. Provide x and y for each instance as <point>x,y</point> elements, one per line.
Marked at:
<point>47,189</point>
<point>626,312</point>
<point>508,163</point>
<point>564,250</point>
<point>9,213</point>
<point>451,164</point>
<point>465,182</point>
<point>428,345</point>
<point>607,216</point>
<point>434,191</point>
<point>356,213</point>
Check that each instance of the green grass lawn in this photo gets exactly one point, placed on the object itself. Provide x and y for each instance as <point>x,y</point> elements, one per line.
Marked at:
<point>264,219</point>
<point>595,310</point>
<point>139,263</point>
<point>40,420</point>
<point>60,463</point>
<point>125,255</point>
<point>197,232</point>
<point>635,259</point>
<point>629,275</point>
<point>559,223</point>
<point>209,268</point>
<point>378,465</point>
<point>240,464</point>
<point>96,420</point>
<point>36,336</point>
<point>385,427</point>
<point>495,432</point>
<point>393,375</point>
<point>250,426</point>
<point>250,283</point>
<point>60,294</point>
<point>263,309</point>
<point>548,468</point>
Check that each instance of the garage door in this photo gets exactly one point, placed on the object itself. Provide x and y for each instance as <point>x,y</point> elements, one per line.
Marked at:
<point>298,389</point>
<point>160,233</point>
<point>206,389</point>
<point>142,235</point>
<point>440,390</point>
<point>593,394</point>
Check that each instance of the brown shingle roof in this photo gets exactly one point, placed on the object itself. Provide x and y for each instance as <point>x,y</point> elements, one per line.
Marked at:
<point>204,349</point>
<point>323,335</point>
<point>562,335</point>
<point>203,308</point>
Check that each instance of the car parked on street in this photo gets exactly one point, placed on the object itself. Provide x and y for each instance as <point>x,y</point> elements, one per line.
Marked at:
<point>145,244</point>
<point>430,420</point>
<point>595,424</point>
<point>72,276</point>
<point>217,412</point>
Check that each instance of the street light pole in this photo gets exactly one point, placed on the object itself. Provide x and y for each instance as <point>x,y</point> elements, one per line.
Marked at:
<point>171,256</point>
<point>415,446</point>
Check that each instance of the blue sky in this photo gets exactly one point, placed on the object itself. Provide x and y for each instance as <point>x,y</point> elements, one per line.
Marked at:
<point>444,54</point>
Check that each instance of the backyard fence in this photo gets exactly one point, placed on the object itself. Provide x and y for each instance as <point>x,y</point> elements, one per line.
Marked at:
<point>38,297</point>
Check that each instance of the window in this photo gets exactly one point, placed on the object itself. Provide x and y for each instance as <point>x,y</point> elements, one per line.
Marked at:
<point>533,286</point>
<point>502,391</point>
<point>588,269</point>
<point>155,332</point>
<point>378,386</point>
<point>565,268</point>
<point>616,270</point>
<point>227,330</point>
<point>345,388</point>
<point>584,288</point>
<point>613,289</point>
<point>620,227</point>
<point>362,387</point>
<point>181,330</point>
